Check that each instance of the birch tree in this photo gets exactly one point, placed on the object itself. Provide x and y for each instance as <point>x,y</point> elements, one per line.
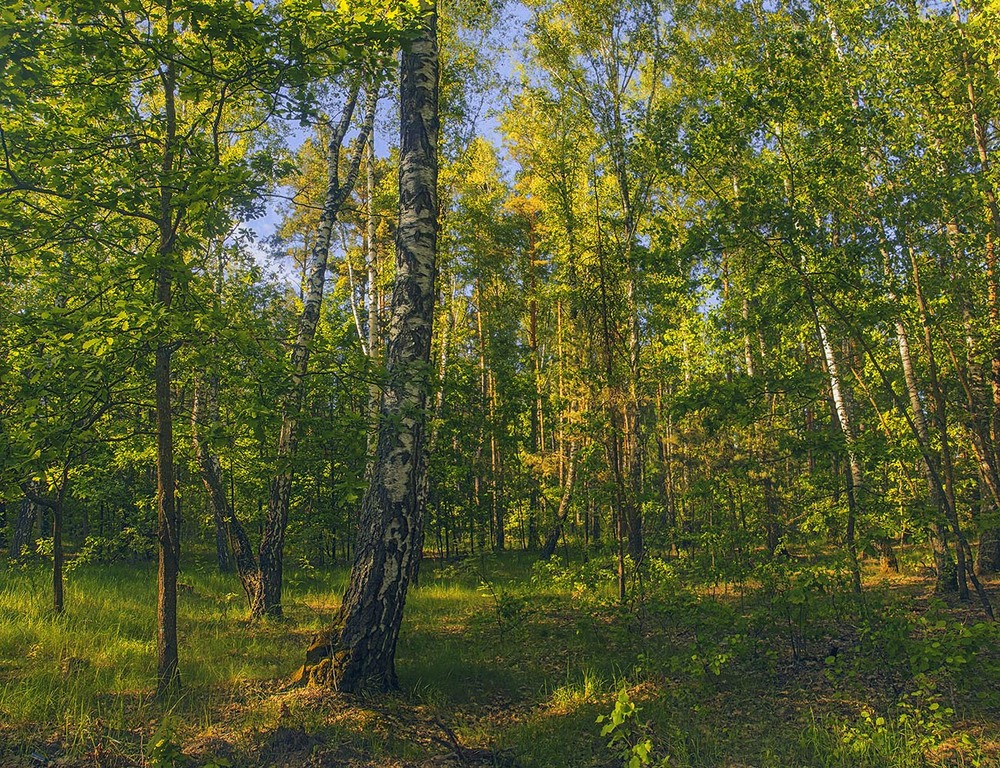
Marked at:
<point>359,650</point>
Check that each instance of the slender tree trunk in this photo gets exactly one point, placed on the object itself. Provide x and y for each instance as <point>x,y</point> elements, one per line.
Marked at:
<point>167,534</point>
<point>211,475</point>
<point>58,555</point>
<point>359,650</point>
<point>267,599</point>
<point>537,412</point>
<point>940,420</point>
<point>204,407</point>
<point>434,498</point>
<point>479,482</point>
<point>55,504</point>
<point>496,482</point>
<point>944,566</point>
<point>988,555</point>
<point>552,540</point>
<point>855,477</point>
<point>167,672</point>
<point>617,440</point>
<point>24,528</point>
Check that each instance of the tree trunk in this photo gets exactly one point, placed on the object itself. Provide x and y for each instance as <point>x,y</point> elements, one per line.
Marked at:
<point>55,504</point>
<point>211,476</point>
<point>988,556</point>
<point>944,565</point>
<point>946,483</point>
<point>167,674</point>
<point>266,600</point>
<point>58,556</point>
<point>855,477</point>
<point>553,538</point>
<point>537,405</point>
<point>359,650</point>
<point>24,528</point>
<point>205,407</point>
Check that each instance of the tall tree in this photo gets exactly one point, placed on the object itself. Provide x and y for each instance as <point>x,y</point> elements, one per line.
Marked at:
<point>359,650</point>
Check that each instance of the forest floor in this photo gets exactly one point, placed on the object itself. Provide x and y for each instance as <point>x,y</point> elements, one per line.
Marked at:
<point>504,662</point>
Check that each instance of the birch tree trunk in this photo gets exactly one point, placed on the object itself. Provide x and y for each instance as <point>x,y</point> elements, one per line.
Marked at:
<point>855,478</point>
<point>553,538</point>
<point>944,566</point>
<point>266,587</point>
<point>359,650</point>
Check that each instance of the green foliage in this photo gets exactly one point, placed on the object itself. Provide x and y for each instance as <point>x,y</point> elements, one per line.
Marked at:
<point>626,733</point>
<point>509,610</point>
<point>128,546</point>
<point>164,752</point>
<point>586,580</point>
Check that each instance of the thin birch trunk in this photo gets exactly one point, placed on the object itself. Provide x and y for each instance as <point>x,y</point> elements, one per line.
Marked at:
<point>267,599</point>
<point>553,538</point>
<point>855,477</point>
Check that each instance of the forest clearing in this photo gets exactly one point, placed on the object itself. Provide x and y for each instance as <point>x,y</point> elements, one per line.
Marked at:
<point>481,382</point>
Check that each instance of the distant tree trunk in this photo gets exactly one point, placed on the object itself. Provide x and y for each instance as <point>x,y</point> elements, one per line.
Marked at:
<point>553,538</point>
<point>988,556</point>
<point>266,598</point>
<point>855,477</point>
<point>772,524</point>
<point>24,528</point>
<point>54,504</point>
<point>944,565</point>
<point>632,445</point>
<point>205,408</point>
<point>946,483</point>
<point>434,498</point>
<point>620,435</point>
<point>58,555</point>
<point>537,405</point>
<point>359,650</point>
<point>496,478</point>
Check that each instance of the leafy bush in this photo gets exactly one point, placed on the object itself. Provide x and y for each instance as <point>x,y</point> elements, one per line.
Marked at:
<point>129,546</point>
<point>627,735</point>
<point>579,579</point>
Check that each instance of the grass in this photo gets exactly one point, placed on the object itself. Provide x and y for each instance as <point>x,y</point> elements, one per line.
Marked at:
<point>507,663</point>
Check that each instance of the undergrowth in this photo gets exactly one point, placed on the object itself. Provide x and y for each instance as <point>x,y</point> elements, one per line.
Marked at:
<point>520,658</point>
